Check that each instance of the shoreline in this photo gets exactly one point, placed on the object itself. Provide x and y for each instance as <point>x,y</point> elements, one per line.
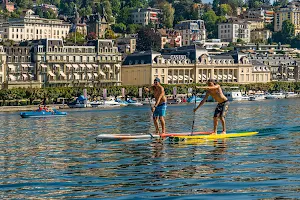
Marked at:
<point>25,108</point>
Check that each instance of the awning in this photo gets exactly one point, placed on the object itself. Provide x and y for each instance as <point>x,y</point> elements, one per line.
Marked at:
<point>12,66</point>
<point>57,65</point>
<point>118,65</point>
<point>31,66</point>
<point>95,74</point>
<point>215,77</point>
<point>225,76</point>
<point>89,75</point>
<point>234,78</point>
<point>200,76</point>
<point>111,71</point>
<point>12,77</point>
<point>278,74</point>
<point>180,77</point>
<point>31,76</point>
<point>220,76</point>
<point>76,76</point>
<point>107,66</point>
<point>82,65</point>
<point>24,65</point>
<point>229,76</point>
<point>62,74</point>
<point>75,66</point>
<point>68,65</point>
<point>169,78</point>
<point>43,65</point>
<point>291,74</point>
<point>175,77</point>
<point>25,75</point>
<point>51,74</point>
<point>284,74</point>
<point>102,73</point>
<point>89,66</point>
<point>204,76</point>
<point>94,65</point>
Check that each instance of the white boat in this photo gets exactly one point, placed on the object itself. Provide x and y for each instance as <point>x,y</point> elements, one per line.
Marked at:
<point>236,96</point>
<point>257,97</point>
<point>97,103</point>
<point>291,95</point>
<point>275,95</point>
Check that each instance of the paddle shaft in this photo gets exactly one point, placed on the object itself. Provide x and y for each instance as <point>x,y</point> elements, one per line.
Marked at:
<point>194,116</point>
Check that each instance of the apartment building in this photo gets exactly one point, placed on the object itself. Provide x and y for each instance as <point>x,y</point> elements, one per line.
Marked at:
<point>127,44</point>
<point>291,12</point>
<point>234,29</point>
<point>170,37</point>
<point>145,16</point>
<point>191,30</point>
<point>265,14</point>
<point>190,64</point>
<point>49,63</point>
<point>32,27</point>
<point>260,35</point>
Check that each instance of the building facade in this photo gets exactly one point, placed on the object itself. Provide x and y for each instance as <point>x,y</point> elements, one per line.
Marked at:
<point>234,29</point>
<point>97,24</point>
<point>49,63</point>
<point>260,35</point>
<point>145,16</point>
<point>191,30</point>
<point>32,27</point>
<point>190,64</point>
<point>127,44</point>
<point>292,13</point>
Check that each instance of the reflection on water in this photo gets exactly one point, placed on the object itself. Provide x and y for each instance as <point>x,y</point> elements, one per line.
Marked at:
<point>59,157</point>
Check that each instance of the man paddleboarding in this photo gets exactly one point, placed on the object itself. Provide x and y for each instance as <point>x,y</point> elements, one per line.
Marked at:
<point>160,106</point>
<point>215,91</point>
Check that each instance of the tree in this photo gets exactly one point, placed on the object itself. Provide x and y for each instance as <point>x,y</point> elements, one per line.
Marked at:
<point>148,39</point>
<point>78,38</point>
<point>296,42</point>
<point>225,9</point>
<point>167,17</point>
<point>288,29</point>
<point>119,28</point>
<point>109,34</point>
<point>133,28</point>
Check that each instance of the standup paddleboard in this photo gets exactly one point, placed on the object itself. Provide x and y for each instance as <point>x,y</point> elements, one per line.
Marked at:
<point>111,137</point>
<point>203,137</point>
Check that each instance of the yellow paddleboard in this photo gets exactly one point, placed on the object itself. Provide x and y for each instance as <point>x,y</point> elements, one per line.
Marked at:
<point>203,137</point>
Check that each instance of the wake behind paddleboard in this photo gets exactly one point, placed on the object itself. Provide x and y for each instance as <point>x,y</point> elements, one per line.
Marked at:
<point>111,137</point>
<point>203,137</point>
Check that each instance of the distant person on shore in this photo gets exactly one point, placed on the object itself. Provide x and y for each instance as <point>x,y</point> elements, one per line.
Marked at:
<point>160,106</point>
<point>215,91</point>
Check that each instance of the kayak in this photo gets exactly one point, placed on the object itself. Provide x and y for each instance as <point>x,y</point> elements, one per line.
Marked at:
<point>143,136</point>
<point>42,113</point>
<point>217,136</point>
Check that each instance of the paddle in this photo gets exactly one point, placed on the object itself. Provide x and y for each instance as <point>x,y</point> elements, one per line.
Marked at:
<point>194,115</point>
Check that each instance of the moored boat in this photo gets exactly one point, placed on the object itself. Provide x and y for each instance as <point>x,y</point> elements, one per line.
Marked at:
<point>43,113</point>
<point>276,95</point>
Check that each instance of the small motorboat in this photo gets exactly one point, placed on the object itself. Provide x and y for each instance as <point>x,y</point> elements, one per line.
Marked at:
<point>42,113</point>
<point>131,102</point>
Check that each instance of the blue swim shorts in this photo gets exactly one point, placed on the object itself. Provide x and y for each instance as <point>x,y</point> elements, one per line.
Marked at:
<point>160,110</point>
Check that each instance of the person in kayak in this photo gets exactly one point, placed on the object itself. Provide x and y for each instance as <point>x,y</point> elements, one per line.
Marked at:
<point>160,106</point>
<point>215,91</point>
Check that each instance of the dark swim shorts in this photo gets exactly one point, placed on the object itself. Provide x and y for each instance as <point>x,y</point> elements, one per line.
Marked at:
<point>221,109</point>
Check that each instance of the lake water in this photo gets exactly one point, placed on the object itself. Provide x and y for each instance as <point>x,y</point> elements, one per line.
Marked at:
<point>59,158</point>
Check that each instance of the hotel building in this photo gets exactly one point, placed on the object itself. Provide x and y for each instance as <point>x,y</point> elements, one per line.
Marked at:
<point>32,27</point>
<point>290,12</point>
<point>191,64</point>
<point>191,30</point>
<point>49,63</point>
<point>145,16</point>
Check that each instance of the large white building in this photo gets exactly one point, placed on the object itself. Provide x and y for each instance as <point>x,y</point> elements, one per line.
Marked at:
<point>32,27</point>
<point>145,16</point>
<point>234,29</point>
<point>191,30</point>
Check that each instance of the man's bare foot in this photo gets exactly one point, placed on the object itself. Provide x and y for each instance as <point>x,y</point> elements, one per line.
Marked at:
<point>223,132</point>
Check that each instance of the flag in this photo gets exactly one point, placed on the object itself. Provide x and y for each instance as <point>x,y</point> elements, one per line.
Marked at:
<point>141,92</point>
<point>123,92</point>
<point>104,93</point>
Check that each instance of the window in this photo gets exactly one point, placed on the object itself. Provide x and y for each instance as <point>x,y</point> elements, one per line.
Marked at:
<point>156,71</point>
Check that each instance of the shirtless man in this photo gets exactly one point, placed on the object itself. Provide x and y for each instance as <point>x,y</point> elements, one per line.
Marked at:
<point>215,91</point>
<point>159,109</point>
